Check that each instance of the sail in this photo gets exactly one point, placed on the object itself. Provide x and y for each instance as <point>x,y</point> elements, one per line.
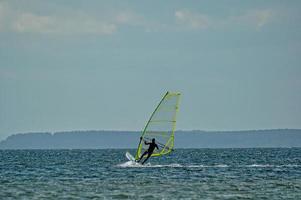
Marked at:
<point>161,126</point>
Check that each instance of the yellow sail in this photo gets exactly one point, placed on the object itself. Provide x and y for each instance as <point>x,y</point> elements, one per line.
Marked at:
<point>161,126</point>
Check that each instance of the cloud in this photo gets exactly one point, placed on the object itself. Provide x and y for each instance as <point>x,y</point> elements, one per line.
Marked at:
<point>69,22</point>
<point>129,18</point>
<point>253,18</point>
<point>76,24</point>
<point>256,18</point>
<point>28,22</point>
<point>192,20</point>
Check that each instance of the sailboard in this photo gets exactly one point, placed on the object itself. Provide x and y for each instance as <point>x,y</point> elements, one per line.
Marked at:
<point>161,126</point>
<point>129,156</point>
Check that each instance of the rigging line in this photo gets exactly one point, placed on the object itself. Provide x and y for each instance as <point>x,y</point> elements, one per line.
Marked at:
<point>159,144</point>
<point>168,109</point>
<point>163,136</point>
<point>158,121</point>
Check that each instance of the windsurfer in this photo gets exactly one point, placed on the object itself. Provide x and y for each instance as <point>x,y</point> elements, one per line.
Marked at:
<point>149,151</point>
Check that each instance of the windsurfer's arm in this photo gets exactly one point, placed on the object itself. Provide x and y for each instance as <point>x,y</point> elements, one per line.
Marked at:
<point>157,147</point>
<point>141,138</point>
<point>147,143</point>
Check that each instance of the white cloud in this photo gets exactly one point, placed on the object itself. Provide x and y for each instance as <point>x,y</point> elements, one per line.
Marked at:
<point>72,22</point>
<point>76,24</point>
<point>192,20</point>
<point>132,19</point>
<point>263,17</point>
<point>129,18</point>
<point>28,22</point>
<point>252,18</point>
<point>68,21</point>
<point>256,18</point>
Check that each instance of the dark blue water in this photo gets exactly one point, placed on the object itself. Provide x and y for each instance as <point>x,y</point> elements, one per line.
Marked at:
<point>185,174</point>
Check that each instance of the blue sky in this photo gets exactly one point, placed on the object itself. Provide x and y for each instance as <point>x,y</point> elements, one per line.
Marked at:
<point>69,65</point>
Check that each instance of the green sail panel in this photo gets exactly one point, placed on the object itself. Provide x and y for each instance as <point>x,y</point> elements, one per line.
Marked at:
<point>161,126</point>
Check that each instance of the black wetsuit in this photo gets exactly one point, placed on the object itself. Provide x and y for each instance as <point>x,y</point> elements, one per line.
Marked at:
<point>149,151</point>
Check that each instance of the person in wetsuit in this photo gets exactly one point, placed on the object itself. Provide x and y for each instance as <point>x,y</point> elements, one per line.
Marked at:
<point>149,151</point>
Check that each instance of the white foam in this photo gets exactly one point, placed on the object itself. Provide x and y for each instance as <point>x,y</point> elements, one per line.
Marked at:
<point>274,166</point>
<point>259,165</point>
<point>292,165</point>
<point>196,166</point>
<point>172,165</point>
<point>221,165</point>
<point>168,165</point>
<point>130,164</point>
<point>135,164</point>
<point>177,165</point>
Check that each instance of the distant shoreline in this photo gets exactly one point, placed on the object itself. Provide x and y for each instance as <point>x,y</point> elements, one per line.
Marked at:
<point>273,138</point>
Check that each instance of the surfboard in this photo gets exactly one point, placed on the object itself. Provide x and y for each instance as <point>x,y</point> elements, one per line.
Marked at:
<point>129,156</point>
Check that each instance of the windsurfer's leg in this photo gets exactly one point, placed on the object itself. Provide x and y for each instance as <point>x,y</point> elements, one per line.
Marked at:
<point>142,156</point>
<point>146,158</point>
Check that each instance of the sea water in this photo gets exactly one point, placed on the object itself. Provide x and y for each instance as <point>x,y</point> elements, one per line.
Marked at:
<point>184,174</point>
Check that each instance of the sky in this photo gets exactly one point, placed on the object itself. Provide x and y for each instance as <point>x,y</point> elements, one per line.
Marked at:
<point>104,65</point>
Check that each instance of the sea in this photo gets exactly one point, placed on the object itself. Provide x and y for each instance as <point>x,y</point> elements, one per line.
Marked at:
<point>255,173</point>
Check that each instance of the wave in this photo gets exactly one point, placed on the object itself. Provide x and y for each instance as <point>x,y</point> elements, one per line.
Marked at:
<point>177,165</point>
<point>259,165</point>
<point>135,164</point>
<point>173,165</point>
<point>272,166</point>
